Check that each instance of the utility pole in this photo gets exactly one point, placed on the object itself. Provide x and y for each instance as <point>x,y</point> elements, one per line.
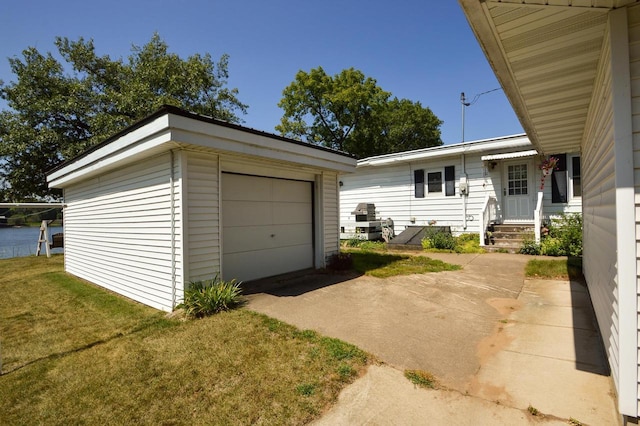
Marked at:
<point>464,104</point>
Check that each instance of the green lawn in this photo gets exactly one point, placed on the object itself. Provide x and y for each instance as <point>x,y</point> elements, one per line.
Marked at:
<point>384,264</point>
<point>73,353</point>
<point>565,269</point>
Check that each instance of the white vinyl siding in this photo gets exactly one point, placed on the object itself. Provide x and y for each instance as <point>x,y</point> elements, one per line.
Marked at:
<point>331,211</point>
<point>634,67</point>
<point>605,164</point>
<point>392,190</point>
<point>118,231</point>
<point>203,213</point>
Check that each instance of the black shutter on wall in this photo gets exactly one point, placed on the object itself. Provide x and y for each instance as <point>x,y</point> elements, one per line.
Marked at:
<point>418,180</point>
<point>450,180</point>
<point>559,180</point>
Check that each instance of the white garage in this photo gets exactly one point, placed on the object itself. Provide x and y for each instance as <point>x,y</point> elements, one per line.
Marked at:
<point>180,197</point>
<point>268,226</point>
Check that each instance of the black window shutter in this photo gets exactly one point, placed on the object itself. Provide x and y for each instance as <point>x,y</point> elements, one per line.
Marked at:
<point>418,179</point>
<point>559,180</point>
<point>449,180</point>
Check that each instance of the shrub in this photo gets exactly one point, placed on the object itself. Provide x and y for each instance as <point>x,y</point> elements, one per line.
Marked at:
<point>353,242</point>
<point>529,246</point>
<point>426,243</point>
<point>568,230</point>
<point>209,297</point>
<point>468,243</point>
<point>440,239</point>
<point>340,262</point>
<point>463,238</point>
<point>551,246</point>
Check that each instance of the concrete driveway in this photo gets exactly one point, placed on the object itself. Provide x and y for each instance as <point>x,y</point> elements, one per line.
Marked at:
<point>496,342</point>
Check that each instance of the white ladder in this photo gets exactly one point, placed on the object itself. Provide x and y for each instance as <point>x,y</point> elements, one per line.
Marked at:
<point>44,238</point>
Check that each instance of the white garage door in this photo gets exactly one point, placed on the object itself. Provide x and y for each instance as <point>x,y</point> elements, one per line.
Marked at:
<point>267,226</point>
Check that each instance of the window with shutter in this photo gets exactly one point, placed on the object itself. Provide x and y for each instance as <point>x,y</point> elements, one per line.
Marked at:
<point>559,180</point>
<point>418,180</point>
<point>449,181</point>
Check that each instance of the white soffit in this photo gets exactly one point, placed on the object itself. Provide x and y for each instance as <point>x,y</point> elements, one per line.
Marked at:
<point>545,54</point>
<point>509,155</point>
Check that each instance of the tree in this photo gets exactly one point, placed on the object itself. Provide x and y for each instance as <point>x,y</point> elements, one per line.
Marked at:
<point>54,113</point>
<point>351,113</point>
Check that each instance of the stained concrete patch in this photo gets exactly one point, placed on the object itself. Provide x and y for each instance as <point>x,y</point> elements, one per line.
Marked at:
<point>383,396</point>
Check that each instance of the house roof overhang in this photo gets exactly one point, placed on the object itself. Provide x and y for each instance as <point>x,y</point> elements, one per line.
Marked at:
<point>545,54</point>
<point>515,143</point>
<point>173,128</point>
<point>509,155</point>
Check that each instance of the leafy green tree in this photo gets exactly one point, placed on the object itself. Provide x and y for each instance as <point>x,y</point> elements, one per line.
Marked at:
<point>351,113</point>
<point>57,111</point>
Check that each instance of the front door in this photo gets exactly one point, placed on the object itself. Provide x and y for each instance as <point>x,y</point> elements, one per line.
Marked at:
<point>517,191</point>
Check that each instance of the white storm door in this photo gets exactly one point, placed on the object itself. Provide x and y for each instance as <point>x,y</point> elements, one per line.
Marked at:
<point>517,191</point>
<point>267,226</point>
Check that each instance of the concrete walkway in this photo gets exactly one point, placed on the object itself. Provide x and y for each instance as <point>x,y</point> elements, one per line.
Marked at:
<point>497,343</point>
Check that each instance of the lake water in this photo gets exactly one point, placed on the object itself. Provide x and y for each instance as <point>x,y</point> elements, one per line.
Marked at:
<point>19,242</point>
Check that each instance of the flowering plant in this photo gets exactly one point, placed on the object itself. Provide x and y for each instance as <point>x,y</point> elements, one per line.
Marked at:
<point>547,166</point>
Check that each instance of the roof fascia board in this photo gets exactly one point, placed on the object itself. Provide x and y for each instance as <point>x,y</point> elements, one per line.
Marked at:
<point>123,142</point>
<point>272,136</point>
<point>186,128</point>
<point>229,146</point>
<point>517,142</point>
<point>109,160</point>
<point>231,140</point>
<point>557,7</point>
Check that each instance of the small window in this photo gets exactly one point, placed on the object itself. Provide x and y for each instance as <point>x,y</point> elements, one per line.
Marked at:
<point>418,180</point>
<point>449,181</point>
<point>576,181</point>
<point>434,182</point>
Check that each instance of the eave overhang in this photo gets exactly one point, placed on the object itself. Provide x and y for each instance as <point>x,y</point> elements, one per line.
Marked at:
<point>545,54</point>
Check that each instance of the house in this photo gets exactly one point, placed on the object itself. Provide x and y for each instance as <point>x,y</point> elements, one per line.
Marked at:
<point>571,69</point>
<point>179,197</point>
<point>456,186</point>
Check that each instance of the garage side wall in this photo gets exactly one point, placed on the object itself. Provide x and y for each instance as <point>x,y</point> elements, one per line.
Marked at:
<point>202,208</point>
<point>331,211</point>
<point>122,231</point>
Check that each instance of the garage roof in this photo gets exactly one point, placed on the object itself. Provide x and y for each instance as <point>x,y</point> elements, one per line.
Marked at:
<point>174,128</point>
<point>545,54</point>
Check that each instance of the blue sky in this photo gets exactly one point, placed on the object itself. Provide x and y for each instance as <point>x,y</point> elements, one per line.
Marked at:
<point>420,50</point>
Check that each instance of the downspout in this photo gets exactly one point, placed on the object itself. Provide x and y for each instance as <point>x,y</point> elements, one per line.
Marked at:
<point>464,186</point>
<point>172,197</point>
<point>464,191</point>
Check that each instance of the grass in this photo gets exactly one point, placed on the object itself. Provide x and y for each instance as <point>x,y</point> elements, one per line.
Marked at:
<point>567,269</point>
<point>421,378</point>
<point>74,351</point>
<point>384,265</point>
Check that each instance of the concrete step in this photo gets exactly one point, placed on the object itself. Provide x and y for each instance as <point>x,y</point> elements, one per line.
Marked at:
<point>511,235</point>
<point>524,228</point>
<point>501,249</point>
